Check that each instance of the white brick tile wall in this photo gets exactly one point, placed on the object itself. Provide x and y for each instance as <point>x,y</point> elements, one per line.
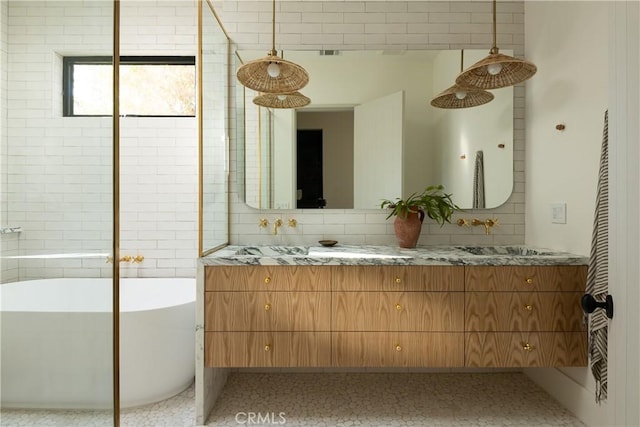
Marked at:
<point>446,24</point>
<point>387,25</point>
<point>58,170</point>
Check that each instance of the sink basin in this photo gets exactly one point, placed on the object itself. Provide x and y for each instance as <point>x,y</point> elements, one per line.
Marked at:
<point>319,253</point>
<point>270,251</point>
<point>505,251</point>
<point>313,252</point>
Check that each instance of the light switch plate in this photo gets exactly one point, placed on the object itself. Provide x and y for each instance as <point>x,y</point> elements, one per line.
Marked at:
<point>559,213</point>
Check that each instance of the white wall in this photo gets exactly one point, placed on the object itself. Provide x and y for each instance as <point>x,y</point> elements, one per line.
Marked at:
<point>568,41</point>
<point>283,159</point>
<point>375,25</point>
<point>59,168</point>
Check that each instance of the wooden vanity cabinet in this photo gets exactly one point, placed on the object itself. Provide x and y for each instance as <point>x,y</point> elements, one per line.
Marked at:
<point>267,316</point>
<point>524,316</point>
<point>398,316</point>
<point>394,316</point>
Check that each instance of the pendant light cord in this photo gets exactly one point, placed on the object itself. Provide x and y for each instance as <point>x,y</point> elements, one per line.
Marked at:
<point>494,48</point>
<point>273,28</point>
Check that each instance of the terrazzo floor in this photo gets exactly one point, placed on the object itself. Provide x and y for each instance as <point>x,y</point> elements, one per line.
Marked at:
<point>337,400</point>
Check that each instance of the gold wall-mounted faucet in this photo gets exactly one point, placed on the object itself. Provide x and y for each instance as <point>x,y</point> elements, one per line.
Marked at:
<point>263,223</point>
<point>293,223</point>
<point>488,223</point>
<point>277,223</point>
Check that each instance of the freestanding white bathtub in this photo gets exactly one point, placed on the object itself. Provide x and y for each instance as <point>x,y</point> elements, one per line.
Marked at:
<point>56,342</point>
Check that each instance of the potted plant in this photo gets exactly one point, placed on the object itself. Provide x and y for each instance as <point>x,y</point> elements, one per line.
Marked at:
<point>410,212</point>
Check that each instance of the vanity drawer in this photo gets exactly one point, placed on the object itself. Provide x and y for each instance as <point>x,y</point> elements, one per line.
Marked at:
<point>526,278</point>
<point>397,349</point>
<point>267,278</point>
<point>523,311</point>
<point>525,349</point>
<point>398,311</point>
<point>267,349</point>
<point>267,311</point>
<point>398,278</point>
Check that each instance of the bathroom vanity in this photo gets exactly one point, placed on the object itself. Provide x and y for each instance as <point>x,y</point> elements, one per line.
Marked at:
<point>385,307</point>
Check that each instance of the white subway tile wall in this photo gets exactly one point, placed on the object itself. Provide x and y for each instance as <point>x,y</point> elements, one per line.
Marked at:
<point>8,242</point>
<point>56,171</point>
<point>68,159</point>
<point>375,25</point>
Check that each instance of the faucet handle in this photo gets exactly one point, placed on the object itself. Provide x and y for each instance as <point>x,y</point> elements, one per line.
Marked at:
<point>263,222</point>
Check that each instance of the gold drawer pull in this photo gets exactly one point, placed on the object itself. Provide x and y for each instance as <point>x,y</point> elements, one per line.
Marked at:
<point>267,280</point>
<point>398,307</point>
<point>267,347</point>
<point>398,347</point>
<point>526,346</point>
<point>528,307</point>
<point>529,280</point>
<point>398,280</point>
<point>267,307</point>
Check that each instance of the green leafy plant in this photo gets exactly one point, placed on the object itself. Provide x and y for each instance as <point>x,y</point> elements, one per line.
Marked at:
<point>433,201</point>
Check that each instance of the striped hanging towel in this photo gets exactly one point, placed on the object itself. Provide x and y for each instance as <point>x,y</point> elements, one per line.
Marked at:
<point>478,181</point>
<point>597,275</point>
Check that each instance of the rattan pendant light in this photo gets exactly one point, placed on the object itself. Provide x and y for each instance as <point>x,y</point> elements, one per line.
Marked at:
<point>282,100</point>
<point>496,70</point>
<point>272,74</point>
<point>460,96</point>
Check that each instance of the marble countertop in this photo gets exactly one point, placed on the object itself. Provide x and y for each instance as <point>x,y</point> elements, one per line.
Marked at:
<point>390,255</point>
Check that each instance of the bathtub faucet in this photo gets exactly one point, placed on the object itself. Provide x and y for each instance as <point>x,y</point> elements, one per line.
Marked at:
<point>127,258</point>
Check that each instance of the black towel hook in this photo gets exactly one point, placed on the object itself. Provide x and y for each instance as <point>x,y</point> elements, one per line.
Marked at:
<point>589,304</point>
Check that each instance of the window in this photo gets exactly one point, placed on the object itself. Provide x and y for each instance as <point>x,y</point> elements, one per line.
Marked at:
<point>156,86</point>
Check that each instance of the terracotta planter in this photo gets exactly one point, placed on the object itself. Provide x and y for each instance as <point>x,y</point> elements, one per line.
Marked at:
<point>408,229</point>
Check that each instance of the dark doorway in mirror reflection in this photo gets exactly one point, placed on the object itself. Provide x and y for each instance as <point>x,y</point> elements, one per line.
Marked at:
<point>309,174</point>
